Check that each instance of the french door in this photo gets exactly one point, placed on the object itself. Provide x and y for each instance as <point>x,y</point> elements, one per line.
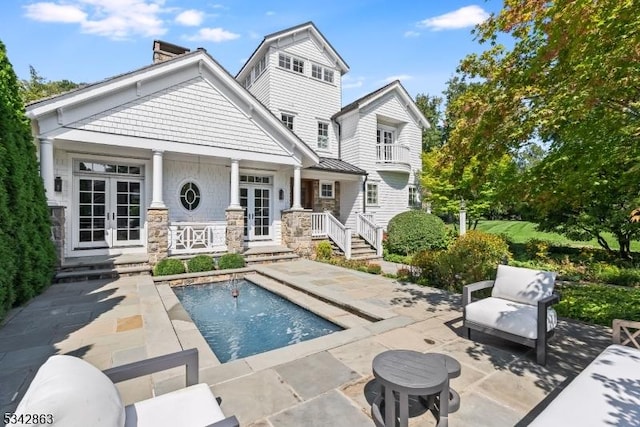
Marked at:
<point>256,201</point>
<point>109,212</point>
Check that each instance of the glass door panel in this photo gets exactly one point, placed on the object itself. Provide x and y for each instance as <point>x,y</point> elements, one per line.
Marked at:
<point>244,202</point>
<point>261,211</point>
<point>127,212</point>
<point>92,203</point>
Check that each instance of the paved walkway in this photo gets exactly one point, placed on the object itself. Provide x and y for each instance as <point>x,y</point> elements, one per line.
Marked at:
<point>323,382</point>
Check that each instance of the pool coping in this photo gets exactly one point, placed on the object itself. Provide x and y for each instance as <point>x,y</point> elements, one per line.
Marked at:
<point>340,312</point>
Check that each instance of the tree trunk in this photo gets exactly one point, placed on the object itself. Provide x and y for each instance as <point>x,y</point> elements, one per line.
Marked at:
<point>602,242</point>
<point>625,246</point>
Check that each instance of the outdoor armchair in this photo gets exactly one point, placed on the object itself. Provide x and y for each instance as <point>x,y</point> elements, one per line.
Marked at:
<point>519,308</point>
<point>76,393</point>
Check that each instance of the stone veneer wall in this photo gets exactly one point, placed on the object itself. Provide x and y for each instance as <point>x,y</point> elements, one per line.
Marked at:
<point>157,234</point>
<point>57,231</point>
<point>296,232</point>
<point>234,238</point>
<point>331,205</point>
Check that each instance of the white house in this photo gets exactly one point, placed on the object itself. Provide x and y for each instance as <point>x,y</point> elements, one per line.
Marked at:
<point>181,157</point>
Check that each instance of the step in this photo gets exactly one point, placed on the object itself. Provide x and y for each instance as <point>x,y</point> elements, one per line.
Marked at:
<point>273,258</point>
<point>84,275</point>
<point>369,257</point>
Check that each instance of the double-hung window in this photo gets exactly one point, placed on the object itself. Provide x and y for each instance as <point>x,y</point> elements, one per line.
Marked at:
<point>372,194</point>
<point>298,65</point>
<point>284,61</point>
<point>326,189</point>
<point>414,200</point>
<point>287,119</point>
<point>323,135</point>
<point>316,71</point>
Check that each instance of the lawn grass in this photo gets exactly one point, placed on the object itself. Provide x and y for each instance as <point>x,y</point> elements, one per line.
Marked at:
<point>522,231</point>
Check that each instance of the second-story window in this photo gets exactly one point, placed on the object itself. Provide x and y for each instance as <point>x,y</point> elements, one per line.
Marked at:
<point>316,71</point>
<point>328,75</point>
<point>287,119</point>
<point>298,65</point>
<point>323,135</point>
<point>260,66</point>
<point>284,61</point>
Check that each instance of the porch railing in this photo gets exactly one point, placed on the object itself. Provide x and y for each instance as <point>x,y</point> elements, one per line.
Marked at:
<point>392,153</point>
<point>318,224</point>
<point>369,231</point>
<point>340,234</point>
<point>197,237</point>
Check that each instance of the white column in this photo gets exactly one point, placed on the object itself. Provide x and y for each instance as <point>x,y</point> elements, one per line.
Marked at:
<point>235,184</point>
<point>157,200</point>
<point>297,187</point>
<point>46,169</point>
<point>463,222</point>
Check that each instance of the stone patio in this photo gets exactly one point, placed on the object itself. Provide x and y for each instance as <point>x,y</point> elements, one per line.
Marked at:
<point>323,382</point>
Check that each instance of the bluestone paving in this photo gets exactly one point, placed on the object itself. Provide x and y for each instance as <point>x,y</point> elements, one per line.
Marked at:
<point>327,380</point>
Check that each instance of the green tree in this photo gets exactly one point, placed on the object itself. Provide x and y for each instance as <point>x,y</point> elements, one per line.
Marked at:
<point>430,106</point>
<point>570,81</point>
<point>27,256</point>
<point>38,87</point>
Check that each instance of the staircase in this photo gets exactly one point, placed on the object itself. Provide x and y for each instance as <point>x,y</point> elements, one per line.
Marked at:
<point>360,249</point>
<point>80,269</point>
<point>268,254</point>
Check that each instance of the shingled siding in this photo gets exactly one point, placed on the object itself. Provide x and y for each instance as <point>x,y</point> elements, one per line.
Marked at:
<point>192,112</point>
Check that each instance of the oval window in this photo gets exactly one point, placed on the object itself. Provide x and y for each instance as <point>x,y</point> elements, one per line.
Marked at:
<point>190,196</point>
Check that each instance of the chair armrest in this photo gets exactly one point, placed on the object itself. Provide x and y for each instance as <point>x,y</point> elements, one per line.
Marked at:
<point>231,421</point>
<point>469,289</point>
<point>188,358</point>
<point>543,305</point>
<point>630,328</point>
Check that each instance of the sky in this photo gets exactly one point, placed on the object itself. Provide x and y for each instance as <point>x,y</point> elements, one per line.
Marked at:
<point>419,42</point>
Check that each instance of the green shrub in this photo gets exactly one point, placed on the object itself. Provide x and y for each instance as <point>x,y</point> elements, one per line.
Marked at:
<point>537,248</point>
<point>374,268</point>
<point>200,263</point>
<point>404,274</point>
<point>168,267</point>
<point>324,250</point>
<point>399,259</point>
<point>598,304</point>
<point>228,261</point>
<point>413,231</point>
<point>426,266</point>
<point>608,273</point>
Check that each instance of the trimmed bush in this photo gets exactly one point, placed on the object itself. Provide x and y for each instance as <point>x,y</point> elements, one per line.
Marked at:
<point>413,231</point>
<point>374,268</point>
<point>474,257</point>
<point>324,251</point>
<point>607,273</point>
<point>427,267</point>
<point>537,248</point>
<point>168,267</point>
<point>200,263</point>
<point>228,261</point>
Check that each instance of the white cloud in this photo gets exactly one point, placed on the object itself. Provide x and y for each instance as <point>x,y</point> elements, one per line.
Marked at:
<point>215,35</point>
<point>349,82</point>
<point>52,12</point>
<point>190,18</point>
<point>396,77</point>
<point>116,19</point>
<point>464,17</point>
<point>411,33</point>
<point>270,13</point>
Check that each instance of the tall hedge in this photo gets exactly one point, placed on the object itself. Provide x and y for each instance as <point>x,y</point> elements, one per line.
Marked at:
<point>27,255</point>
<point>413,231</point>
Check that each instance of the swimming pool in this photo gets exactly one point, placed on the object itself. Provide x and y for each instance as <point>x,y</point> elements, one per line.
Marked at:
<point>254,322</point>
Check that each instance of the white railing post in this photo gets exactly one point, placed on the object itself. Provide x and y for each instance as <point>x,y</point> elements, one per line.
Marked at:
<point>347,243</point>
<point>379,237</point>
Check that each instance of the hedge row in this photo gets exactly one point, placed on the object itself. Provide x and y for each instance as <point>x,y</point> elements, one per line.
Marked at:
<point>170,266</point>
<point>27,255</point>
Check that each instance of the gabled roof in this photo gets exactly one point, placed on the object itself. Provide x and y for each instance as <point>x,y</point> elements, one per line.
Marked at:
<point>379,93</point>
<point>334,165</point>
<point>198,58</point>
<point>273,37</point>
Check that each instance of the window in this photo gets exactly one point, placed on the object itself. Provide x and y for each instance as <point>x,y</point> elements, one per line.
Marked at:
<point>316,71</point>
<point>372,194</point>
<point>298,66</point>
<point>326,189</point>
<point>323,135</point>
<point>247,81</point>
<point>259,67</point>
<point>414,200</point>
<point>190,196</point>
<point>287,119</point>
<point>328,75</point>
<point>384,135</point>
<point>284,61</point>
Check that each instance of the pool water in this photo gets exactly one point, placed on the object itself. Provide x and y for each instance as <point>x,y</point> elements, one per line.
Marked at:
<point>254,322</point>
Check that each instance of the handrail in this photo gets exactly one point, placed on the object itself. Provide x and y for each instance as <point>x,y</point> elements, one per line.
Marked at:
<point>318,224</point>
<point>369,231</point>
<point>197,237</point>
<point>392,153</point>
<point>340,234</point>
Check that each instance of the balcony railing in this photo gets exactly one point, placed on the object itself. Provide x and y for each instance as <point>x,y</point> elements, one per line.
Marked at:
<point>392,153</point>
<point>197,237</point>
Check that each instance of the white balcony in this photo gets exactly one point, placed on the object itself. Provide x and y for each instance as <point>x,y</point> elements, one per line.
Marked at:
<point>393,158</point>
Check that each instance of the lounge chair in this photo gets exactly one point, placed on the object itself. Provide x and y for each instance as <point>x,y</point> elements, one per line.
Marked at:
<point>76,393</point>
<point>519,308</point>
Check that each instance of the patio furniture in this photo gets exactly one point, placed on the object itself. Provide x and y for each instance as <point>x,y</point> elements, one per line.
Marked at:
<point>408,372</point>
<point>607,391</point>
<point>519,308</point>
<point>76,393</point>
<point>453,369</point>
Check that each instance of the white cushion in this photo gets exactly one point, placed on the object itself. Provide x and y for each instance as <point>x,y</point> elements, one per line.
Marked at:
<point>192,406</point>
<point>523,284</point>
<point>606,393</point>
<point>509,316</point>
<point>75,392</point>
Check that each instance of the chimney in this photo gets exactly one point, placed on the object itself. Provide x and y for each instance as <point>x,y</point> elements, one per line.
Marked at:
<point>163,51</point>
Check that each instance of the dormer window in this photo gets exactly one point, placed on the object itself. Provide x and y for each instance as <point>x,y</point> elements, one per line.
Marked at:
<point>321,73</point>
<point>259,67</point>
<point>298,66</point>
<point>284,61</point>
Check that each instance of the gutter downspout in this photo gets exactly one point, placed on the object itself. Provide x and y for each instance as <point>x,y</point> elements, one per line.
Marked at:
<point>364,194</point>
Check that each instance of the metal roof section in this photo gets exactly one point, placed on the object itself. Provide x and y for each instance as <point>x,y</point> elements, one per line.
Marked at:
<point>335,165</point>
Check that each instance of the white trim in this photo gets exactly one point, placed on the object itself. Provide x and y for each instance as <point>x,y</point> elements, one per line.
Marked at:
<point>178,194</point>
<point>366,195</point>
<point>333,189</point>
